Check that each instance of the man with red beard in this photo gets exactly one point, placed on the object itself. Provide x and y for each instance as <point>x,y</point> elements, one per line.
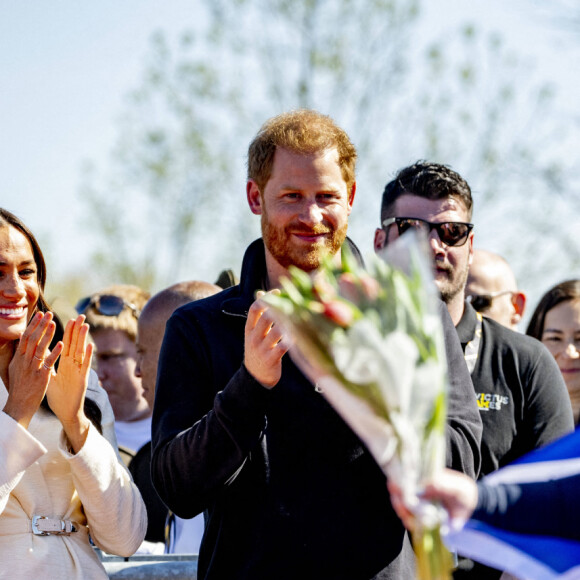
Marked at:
<point>519,390</point>
<point>239,433</point>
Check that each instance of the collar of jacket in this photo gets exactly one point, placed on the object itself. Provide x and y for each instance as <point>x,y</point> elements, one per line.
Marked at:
<point>254,277</point>
<point>467,324</point>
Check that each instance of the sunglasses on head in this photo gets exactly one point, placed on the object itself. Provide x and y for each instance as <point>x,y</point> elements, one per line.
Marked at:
<point>106,304</point>
<point>483,302</point>
<point>450,233</point>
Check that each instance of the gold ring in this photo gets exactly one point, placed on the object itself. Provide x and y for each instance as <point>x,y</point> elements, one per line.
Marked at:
<point>79,363</point>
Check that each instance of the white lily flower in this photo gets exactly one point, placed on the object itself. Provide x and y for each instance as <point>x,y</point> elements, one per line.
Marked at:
<point>427,384</point>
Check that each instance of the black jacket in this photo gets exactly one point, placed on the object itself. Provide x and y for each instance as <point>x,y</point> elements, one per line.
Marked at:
<point>289,491</point>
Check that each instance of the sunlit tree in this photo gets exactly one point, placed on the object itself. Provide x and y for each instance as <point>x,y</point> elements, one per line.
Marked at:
<point>173,206</point>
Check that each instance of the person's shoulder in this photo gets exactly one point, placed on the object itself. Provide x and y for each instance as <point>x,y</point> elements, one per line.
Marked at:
<point>99,396</point>
<point>95,391</point>
<point>208,305</point>
<point>506,338</point>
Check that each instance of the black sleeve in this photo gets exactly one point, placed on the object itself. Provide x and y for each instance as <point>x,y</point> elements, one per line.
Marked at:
<point>547,507</point>
<point>464,426</point>
<point>201,435</point>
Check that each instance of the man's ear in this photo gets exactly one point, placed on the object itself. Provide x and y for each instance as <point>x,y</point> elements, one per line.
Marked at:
<point>380,239</point>
<point>254,197</point>
<point>351,197</point>
<point>519,304</point>
<point>470,242</point>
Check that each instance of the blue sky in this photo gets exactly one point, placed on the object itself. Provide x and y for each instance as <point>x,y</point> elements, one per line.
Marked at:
<point>66,68</point>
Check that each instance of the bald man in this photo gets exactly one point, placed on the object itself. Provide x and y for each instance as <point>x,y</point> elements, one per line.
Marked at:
<point>151,327</point>
<point>184,535</point>
<point>492,289</point>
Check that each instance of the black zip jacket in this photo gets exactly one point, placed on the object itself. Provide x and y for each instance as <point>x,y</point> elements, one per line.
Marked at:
<point>287,489</point>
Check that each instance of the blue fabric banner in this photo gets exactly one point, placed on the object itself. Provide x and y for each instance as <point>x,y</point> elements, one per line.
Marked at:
<point>530,556</point>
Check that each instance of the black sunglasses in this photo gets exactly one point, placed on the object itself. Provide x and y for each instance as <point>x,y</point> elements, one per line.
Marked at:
<point>106,304</point>
<point>450,233</point>
<point>483,302</point>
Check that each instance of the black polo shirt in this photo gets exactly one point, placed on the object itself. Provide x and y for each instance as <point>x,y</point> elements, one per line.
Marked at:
<point>522,397</point>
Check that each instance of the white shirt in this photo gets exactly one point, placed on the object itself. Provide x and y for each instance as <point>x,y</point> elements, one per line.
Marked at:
<point>185,535</point>
<point>133,434</point>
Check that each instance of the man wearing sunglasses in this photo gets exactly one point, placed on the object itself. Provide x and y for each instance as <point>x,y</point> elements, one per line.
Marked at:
<point>520,393</point>
<point>112,315</point>
<point>492,289</point>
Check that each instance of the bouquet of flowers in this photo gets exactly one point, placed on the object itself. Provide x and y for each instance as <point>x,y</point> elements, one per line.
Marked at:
<point>371,341</point>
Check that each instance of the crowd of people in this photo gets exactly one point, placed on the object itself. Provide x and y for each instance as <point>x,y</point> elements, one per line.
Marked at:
<point>196,432</point>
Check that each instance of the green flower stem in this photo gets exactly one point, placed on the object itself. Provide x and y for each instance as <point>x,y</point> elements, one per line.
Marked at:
<point>434,562</point>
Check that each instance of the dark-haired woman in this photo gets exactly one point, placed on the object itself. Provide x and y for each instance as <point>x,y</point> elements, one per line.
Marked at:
<point>61,479</point>
<point>556,322</point>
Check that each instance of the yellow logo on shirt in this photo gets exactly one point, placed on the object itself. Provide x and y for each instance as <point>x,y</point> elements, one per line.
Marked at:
<point>487,402</point>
